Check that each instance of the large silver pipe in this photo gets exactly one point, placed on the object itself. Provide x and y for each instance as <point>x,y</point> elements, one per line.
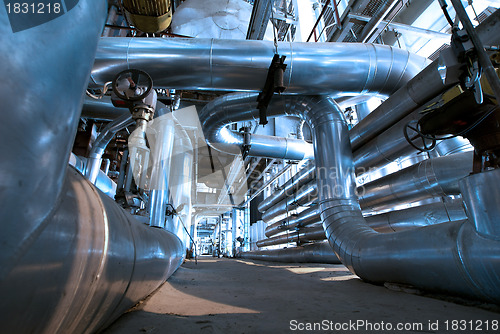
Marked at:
<point>423,215</point>
<point>450,257</point>
<point>303,235</point>
<point>318,252</point>
<point>429,178</point>
<point>423,87</point>
<point>102,109</point>
<point>302,177</point>
<point>102,141</point>
<point>204,64</point>
<point>71,260</point>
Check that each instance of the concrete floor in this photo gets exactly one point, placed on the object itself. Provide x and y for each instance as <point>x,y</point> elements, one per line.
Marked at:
<point>243,296</point>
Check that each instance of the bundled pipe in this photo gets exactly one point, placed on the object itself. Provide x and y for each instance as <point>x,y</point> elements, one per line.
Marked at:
<point>429,178</point>
<point>303,196</point>
<point>303,235</point>
<point>71,260</point>
<point>318,252</point>
<point>393,221</point>
<point>305,175</point>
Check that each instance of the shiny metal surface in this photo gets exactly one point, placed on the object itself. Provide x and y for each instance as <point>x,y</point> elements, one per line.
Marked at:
<point>424,86</point>
<point>481,195</point>
<point>423,215</point>
<point>426,179</point>
<point>302,177</point>
<point>231,108</point>
<point>306,234</point>
<point>303,196</point>
<point>92,262</point>
<point>318,252</point>
<point>306,217</point>
<point>102,182</point>
<point>447,257</point>
<point>429,178</point>
<point>35,157</point>
<point>71,260</point>
<point>102,109</point>
<point>313,68</point>
<point>102,141</point>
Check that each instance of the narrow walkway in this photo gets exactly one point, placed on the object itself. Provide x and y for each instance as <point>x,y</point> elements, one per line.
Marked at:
<point>243,296</point>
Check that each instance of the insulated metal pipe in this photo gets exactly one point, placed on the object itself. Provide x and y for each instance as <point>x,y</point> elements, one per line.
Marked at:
<point>302,177</point>
<point>393,221</point>
<point>303,235</point>
<point>318,252</point>
<point>420,89</point>
<point>423,215</point>
<point>102,141</point>
<point>306,217</point>
<point>204,64</point>
<point>426,179</point>
<point>102,182</point>
<point>72,260</point>
<point>304,195</point>
<point>450,257</point>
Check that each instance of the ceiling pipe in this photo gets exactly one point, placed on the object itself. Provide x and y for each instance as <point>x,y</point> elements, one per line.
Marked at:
<point>318,252</point>
<point>71,260</point>
<point>420,89</point>
<point>204,64</point>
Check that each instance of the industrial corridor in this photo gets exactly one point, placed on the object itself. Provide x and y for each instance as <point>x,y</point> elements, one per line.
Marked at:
<point>245,296</point>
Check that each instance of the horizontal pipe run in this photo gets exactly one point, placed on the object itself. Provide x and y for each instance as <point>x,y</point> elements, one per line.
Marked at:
<point>304,195</point>
<point>419,216</point>
<point>318,252</point>
<point>306,217</point>
<point>301,236</point>
<point>312,68</point>
<point>300,178</point>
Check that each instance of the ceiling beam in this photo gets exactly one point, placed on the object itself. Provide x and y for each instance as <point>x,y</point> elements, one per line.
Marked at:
<point>261,13</point>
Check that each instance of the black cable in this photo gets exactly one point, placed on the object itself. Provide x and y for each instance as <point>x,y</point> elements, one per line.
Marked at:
<point>445,12</point>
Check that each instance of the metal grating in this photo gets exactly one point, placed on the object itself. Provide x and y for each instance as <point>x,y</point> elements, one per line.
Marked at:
<point>435,54</point>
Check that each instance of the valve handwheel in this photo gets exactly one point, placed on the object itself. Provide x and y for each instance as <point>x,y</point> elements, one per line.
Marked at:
<point>412,133</point>
<point>138,81</point>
